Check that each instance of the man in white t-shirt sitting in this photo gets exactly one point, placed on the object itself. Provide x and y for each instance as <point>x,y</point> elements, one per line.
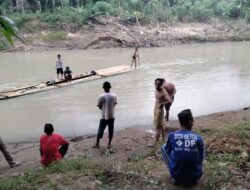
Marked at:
<point>106,103</point>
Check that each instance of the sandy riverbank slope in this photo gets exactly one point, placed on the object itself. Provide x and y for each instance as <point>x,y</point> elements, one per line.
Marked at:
<point>111,33</point>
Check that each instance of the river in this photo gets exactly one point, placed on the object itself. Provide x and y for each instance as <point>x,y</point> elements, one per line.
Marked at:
<point>209,78</point>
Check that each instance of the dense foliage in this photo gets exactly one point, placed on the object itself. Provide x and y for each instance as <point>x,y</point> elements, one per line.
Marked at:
<point>71,15</point>
<point>144,11</point>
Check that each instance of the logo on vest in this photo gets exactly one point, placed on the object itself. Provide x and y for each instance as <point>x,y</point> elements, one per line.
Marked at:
<point>189,143</point>
<point>179,142</point>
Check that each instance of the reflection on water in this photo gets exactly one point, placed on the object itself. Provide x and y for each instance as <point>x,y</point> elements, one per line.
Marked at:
<point>208,77</point>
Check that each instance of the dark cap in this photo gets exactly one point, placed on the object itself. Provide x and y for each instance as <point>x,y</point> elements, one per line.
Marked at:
<point>185,117</point>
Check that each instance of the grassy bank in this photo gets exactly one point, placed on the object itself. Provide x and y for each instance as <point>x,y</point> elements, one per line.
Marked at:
<point>226,166</point>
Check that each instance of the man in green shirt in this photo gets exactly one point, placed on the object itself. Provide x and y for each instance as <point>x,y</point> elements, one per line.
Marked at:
<point>68,74</point>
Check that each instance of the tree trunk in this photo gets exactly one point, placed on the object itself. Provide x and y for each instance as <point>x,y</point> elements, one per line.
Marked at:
<point>22,3</point>
<point>39,7</point>
<point>17,4</point>
<point>53,4</point>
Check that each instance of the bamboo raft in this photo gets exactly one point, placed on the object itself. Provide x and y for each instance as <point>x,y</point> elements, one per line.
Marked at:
<point>79,78</point>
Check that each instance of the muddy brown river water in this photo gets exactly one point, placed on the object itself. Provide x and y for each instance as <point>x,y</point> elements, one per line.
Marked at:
<point>209,78</point>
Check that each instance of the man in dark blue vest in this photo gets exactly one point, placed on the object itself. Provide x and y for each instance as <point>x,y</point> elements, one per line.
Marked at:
<point>184,152</point>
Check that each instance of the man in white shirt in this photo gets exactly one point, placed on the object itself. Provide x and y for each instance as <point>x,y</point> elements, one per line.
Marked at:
<point>59,66</point>
<point>106,103</point>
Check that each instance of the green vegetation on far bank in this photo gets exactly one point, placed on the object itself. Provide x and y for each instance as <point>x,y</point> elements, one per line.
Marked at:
<point>44,24</point>
<point>226,165</point>
<point>67,16</point>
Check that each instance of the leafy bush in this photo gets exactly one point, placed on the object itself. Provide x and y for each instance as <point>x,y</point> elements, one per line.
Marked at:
<point>246,13</point>
<point>4,6</point>
<point>200,12</point>
<point>183,12</point>
<point>102,7</point>
<point>155,11</point>
<point>166,16</point>
<point>144,11</point>
<point>132,5</point>
<point>69,19</point>
<point>227,9</point>
<point>22,19</point>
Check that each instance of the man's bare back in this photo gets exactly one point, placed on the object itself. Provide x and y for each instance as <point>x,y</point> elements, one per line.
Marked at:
<point>170,88</point>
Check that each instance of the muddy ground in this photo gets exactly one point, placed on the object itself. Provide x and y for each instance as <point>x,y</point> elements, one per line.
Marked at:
<point>108,32</point>
<point>133,141</point>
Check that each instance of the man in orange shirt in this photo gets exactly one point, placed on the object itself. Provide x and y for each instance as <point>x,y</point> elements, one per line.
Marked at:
<point>53,147</point>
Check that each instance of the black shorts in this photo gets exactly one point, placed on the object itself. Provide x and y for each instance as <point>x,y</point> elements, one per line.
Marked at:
<point>102,126</point>
<point>59,71</point>
<point>168,105</point>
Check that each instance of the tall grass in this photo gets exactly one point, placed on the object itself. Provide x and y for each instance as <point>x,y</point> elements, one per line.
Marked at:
<point>221,167</point>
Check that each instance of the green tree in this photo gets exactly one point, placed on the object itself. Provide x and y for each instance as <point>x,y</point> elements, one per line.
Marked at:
<point>7,31</point>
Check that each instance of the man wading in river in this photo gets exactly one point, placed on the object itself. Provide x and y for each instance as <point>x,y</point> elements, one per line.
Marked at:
<point>135,58</point>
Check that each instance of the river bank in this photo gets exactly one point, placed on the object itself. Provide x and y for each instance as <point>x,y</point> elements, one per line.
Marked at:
<point>133,163</point>
<point>108,32</point>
